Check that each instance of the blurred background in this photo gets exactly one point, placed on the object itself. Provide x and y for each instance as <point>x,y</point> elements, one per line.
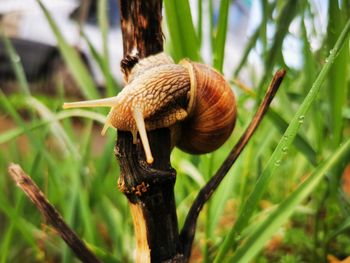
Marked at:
<point>36,43</point>
<point>53,51</point>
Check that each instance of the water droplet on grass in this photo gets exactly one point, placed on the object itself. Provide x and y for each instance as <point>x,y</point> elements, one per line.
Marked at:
<point>16,59</point>
<point>301,119</point>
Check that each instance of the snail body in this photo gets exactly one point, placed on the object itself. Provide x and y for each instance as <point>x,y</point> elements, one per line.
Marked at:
<point>161,94</point>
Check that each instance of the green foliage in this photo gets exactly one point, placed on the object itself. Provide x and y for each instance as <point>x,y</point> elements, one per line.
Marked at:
<point>283,201</point>
<point>72,59</point>
<point>181,30</point>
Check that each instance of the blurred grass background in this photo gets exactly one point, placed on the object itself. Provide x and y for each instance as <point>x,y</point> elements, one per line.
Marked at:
<point>287,199</point>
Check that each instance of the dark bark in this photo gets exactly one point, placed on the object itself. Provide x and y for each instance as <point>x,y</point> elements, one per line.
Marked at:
<point>149,188</point>
<point>141,29</point>
<point>152,189</point>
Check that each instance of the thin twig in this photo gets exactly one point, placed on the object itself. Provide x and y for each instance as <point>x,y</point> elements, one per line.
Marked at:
<point>52,216</point>
<point>188,231</point>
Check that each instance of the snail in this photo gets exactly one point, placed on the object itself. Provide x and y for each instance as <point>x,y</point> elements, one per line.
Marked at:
<point>190,98</point>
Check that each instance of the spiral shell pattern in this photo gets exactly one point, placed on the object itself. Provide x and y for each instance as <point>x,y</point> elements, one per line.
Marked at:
<point>214,113</point>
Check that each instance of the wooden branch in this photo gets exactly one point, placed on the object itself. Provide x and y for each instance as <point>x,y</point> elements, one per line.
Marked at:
<point>149,188</point>
<point>188,231</point>
<point>51,215</point>
<point>141,29</point>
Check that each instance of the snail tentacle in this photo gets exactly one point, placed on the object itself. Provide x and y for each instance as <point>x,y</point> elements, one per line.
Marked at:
<point>107,102</point>
<point>108,121</point>
<point>140,124</point>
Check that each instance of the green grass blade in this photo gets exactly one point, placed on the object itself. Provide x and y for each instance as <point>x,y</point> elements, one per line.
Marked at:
<point>344,226</point>
<point>15,132</point>
<point>338,75</point>
<point>103,255</point>
<point>104,162</point>
<point>111,83</point>
<point>249,47</point>
<point>103,25</point>
<point>56,129</point>
<point>102,17</point>
<point>285,18</point>
<point>72,59</point>
<point>10,233</point>
<point>300,143</point>
<point>255,36</point>
<point>258,238</point>
<point>95,54</point>
<point>84,196</point>
<point>11,134</point>
<point>71,210</point>
<point>182,33</point>
<point>200,21</point>
<point>211,24</point>
<point>283,146</point>
<point>23,226</point>
<point>220,38</point>
<point>206,167</point>
<point>192,171</point>
<point>36,143</point>
<point>16,65</point>
<point>220,198</point>
<point>309,72</point>
<point>5,242</point>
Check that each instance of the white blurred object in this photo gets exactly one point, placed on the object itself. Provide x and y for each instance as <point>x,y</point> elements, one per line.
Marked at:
<point>27,21</point>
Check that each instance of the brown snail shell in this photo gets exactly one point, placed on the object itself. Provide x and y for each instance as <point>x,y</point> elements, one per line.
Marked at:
<point>163,94</point>
<point>214,114</point>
